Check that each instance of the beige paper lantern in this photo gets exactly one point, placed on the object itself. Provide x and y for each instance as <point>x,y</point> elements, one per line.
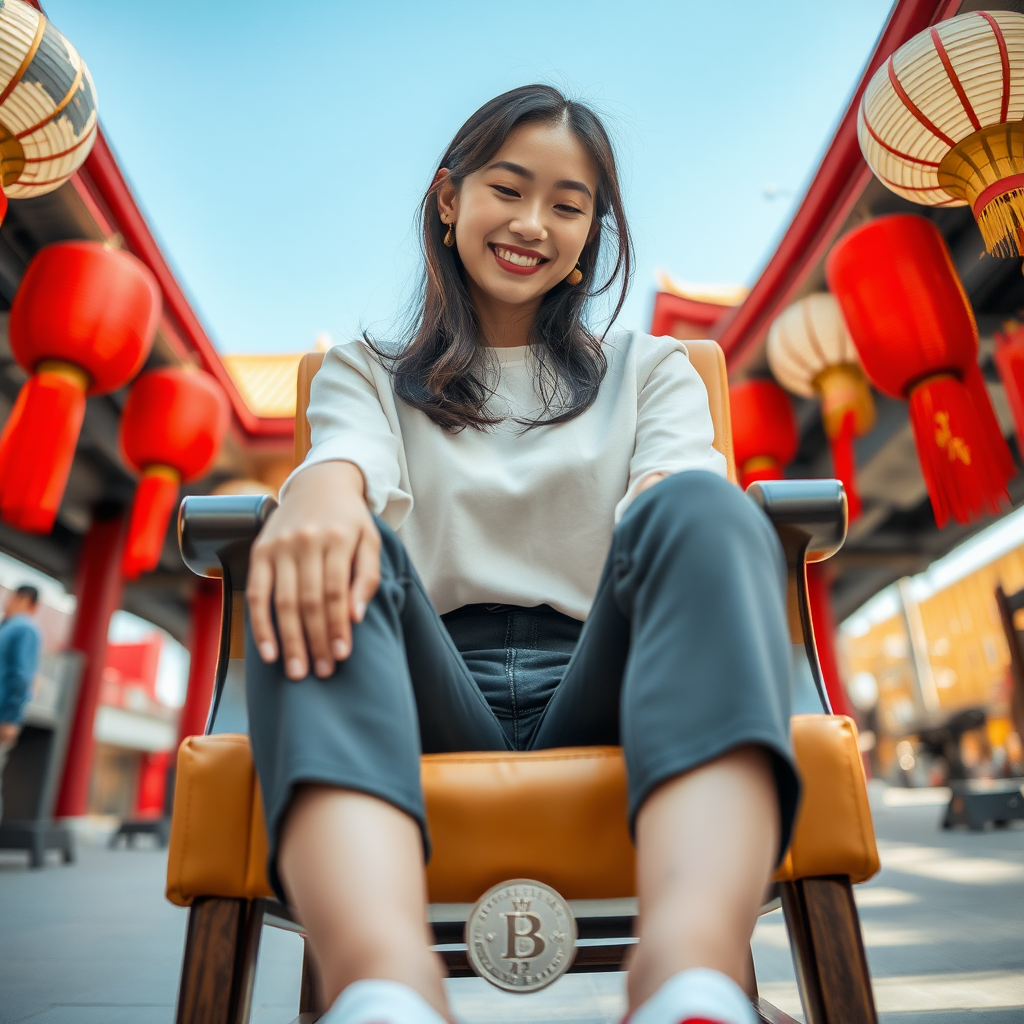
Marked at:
<point>811,354</point>
<point>48,119</point>
<point>941,122</point>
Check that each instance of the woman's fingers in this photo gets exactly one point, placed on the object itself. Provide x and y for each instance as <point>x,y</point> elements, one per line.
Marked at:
<point>258,591</point>
<point>365,573</point>
<point>289,622</point>
<point>311,602</point>
<point>337,569</point>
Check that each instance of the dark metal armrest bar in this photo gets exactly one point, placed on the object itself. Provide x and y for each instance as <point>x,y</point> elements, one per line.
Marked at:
<point>215,535</point>
<point>811,518</point>
<point>216,531</point>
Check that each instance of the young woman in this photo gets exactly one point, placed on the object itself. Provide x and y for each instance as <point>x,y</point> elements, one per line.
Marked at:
<point>512,534</point>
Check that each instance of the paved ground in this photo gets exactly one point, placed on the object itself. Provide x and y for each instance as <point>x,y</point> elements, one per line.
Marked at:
<point>95,943</point>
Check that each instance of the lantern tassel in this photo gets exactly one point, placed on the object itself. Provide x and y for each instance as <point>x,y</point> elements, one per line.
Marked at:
<point>1009,359</point>
<point>964,479</point>
<point>38,451</point>
<point>843,463</point>
<point>156,498</point>
<point>992,433</point>
<point>1000,221</point>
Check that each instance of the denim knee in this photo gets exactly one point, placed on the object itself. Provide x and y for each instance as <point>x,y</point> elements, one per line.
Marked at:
<point>393,555</point>
<point>701,505</point>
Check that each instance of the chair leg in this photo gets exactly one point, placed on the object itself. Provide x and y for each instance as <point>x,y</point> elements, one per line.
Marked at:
<point>750,981</point>
<point>309,995</point>
<point>214,963</point>
<point>828,952</point>
<point>246,980</point>
<point>766,1012</point>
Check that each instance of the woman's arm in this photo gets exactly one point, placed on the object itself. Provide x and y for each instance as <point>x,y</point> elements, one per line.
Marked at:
<point>650,481</point>
<point>674,431</point>
<point>318,557</point>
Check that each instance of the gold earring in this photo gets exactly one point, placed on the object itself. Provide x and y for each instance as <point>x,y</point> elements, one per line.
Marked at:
<point>449,238</point>
<point>575,276</point>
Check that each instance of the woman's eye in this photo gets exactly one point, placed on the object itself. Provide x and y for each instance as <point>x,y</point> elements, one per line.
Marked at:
<point>505,191</point>
<point>566,208</point>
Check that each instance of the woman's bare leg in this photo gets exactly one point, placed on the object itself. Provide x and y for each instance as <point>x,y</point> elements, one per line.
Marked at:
<point>706,846</point>
<point>352,866</point>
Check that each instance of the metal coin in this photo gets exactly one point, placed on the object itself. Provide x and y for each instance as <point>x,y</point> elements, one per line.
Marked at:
<point>521,936</point>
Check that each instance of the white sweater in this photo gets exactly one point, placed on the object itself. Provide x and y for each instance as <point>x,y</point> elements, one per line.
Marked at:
<point>492,517</point>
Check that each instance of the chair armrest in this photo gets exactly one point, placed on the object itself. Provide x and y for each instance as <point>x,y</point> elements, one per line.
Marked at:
<point>216,531</point>
<point>811,518</point>
<point>215,535</point>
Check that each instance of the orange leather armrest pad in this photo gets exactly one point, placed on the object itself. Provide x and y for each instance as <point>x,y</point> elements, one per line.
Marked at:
<point>256,882</point>
<point>833,834</point>
<point>558,816</point>
<point>214,792</point>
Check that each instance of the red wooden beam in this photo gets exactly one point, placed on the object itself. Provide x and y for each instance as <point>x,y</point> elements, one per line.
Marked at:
<point>838,184</point>
<point>101,178</point>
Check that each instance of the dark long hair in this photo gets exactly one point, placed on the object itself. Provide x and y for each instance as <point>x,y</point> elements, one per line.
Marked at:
<point>439,370</point>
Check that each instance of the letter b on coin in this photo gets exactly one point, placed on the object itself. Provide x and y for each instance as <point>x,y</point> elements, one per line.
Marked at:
<point>521,936</point>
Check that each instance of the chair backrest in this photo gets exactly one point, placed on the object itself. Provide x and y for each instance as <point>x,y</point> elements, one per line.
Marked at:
<point>707,359</point>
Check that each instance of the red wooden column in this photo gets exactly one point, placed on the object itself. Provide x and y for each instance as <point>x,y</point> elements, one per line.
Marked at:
<point>204,644</point>
<point>819,578</point>
<point>98,589</point>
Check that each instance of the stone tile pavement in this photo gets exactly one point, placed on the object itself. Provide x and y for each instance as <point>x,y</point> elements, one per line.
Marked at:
<point>96,943</point>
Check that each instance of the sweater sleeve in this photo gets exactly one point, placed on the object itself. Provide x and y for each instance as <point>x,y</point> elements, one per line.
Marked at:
<point>674,431</point>
<point>351,420</point>
<point>17,672</point>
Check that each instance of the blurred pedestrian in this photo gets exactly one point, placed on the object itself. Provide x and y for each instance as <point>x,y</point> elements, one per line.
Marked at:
<point>19,657</point>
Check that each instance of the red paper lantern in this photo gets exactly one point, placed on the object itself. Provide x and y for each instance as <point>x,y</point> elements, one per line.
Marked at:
<point>764,434</point>
<point>172,428</point>
<point>1009,359</point>
<point>914,329</point>
<point>82,322</point>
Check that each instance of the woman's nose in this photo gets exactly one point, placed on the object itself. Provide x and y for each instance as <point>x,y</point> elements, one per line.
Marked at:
<point>529,225</point>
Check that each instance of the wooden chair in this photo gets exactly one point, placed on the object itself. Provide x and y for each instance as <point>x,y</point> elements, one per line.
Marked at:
<point>557,816</point>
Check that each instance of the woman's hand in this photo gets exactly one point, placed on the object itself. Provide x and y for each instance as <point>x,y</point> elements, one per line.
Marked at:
<point>318,557</point>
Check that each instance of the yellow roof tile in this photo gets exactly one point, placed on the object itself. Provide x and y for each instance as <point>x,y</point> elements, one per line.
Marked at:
<point>266,382</point>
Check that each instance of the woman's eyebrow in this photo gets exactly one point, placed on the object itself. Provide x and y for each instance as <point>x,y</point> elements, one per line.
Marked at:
<point>574,186</point>
<point>523,172</point>
<point>507,165</point>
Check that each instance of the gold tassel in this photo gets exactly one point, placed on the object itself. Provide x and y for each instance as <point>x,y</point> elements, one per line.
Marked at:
<point>1001,221</point>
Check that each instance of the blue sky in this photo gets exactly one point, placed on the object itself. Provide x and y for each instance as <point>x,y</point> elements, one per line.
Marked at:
<point>279,150</point>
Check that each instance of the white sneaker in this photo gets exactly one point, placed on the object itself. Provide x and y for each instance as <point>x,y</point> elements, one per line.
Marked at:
<point>381,1002</point>
<point>697,996</point>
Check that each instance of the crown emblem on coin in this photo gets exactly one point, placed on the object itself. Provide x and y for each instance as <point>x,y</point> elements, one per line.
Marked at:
<point>521,936</point>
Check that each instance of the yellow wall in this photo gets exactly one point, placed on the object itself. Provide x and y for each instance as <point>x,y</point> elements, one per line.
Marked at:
<point>966,648</point>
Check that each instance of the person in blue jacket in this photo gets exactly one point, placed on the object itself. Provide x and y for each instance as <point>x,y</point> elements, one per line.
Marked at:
<point>19,658</point>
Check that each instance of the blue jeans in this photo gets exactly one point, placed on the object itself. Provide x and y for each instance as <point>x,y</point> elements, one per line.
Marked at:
<point>517,657</point>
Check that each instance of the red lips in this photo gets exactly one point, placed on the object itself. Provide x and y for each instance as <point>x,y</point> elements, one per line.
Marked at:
<point>514,268</point>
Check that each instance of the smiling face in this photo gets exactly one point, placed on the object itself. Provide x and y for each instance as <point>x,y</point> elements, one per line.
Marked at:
<point>521,222</point>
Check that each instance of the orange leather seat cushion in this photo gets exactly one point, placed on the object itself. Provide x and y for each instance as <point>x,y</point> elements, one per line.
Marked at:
<point>555,815</point>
